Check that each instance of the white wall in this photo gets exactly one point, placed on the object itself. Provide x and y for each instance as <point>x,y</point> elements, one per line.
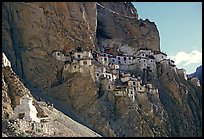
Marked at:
<point>5,61</point>
<point>59,56</point>
<point>26,107</point>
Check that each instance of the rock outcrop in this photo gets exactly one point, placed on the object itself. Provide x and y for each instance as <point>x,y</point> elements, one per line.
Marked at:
<point>33,30</point>
<point>123,29</point>
<point>197,74</point>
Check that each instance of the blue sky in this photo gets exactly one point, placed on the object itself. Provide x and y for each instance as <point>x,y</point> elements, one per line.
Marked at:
<point>180,29</point>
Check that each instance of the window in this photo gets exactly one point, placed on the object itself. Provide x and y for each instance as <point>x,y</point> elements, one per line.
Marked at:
<point>85,62</point>
<point>142,54</point>
<point>129,58</point>
<point>144,60</point>
<point>75,67</point>
<point>97,74</point>
<point>113,60</point>
<point>119,62</point>
<point>124,58</point>
<point>109,87</point>
<point>105,59</point>
<point>118,58</point>
<point>58,53</point>
<point>21,115</point>
<point>78,56</point>
<point>133,83</point>
<point>131,92</point>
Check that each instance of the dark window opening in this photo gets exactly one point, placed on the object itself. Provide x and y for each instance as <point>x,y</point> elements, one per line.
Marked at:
<point>58,54</point>
<point>78,56</point>
<point>109,87</point>
<point>85,62</point>
<point>21,115</point>
<point>129,58</point>
<point>133,83</point>
<point>119,62</point>
<point>113,60</point>
<point>75,67</point>
<point>105,59</point>
<point>118,58</point>
<point>97,74</point>
<point>124,58</point>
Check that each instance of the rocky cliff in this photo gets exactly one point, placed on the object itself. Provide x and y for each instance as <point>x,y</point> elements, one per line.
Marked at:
<point>32,31</point>
<point>118,25</point>
<point>197,74</point>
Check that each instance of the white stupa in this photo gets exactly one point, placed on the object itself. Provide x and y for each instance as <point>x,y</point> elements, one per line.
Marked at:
<point>5,61</point>
<point>26,109</point>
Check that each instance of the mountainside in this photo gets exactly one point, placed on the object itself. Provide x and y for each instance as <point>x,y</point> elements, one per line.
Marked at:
<point>197,73</point>
<point>57,124</point>
<point>48,45</point>
<point>32,31</point>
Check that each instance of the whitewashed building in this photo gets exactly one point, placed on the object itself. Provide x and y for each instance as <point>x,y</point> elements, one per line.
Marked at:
<point>59,56</point>
<point>102,72</point>
<point>26,109</point>
<point>103,60</point>
<point>82,55</point>
<point>5,61</point>
<point>85,62</point>
<point>144,52</point>
<point>131,93</point>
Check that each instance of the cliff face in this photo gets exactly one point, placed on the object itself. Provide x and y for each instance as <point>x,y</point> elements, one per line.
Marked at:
<point>117,22</point>
<point>197,74</point>
<point>32,31</point>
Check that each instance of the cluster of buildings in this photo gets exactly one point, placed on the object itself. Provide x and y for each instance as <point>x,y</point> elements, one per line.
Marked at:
<point>112,70</point>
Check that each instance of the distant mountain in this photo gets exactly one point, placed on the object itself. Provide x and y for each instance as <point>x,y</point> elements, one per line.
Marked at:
<point>197,73</point>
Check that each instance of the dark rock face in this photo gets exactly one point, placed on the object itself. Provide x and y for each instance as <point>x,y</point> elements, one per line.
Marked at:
<point>197,74</point>
<point>32,31</point>
<point>123,24</point>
